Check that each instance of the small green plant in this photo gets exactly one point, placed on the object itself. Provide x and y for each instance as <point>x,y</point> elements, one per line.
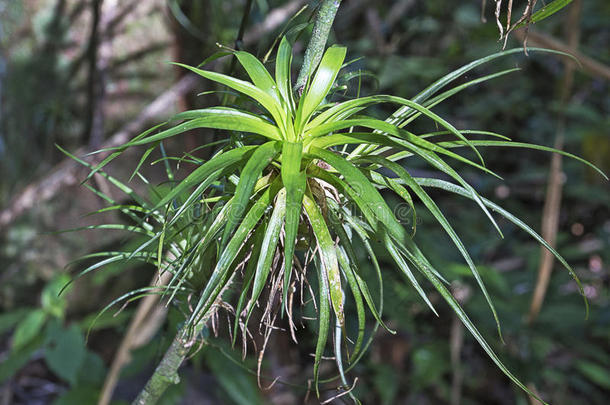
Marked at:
<point>301,179</point>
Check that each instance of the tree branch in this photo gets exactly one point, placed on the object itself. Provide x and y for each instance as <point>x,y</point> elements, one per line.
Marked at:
<point>589,65</point>
<point>166,372</point>
<point>317,43</point>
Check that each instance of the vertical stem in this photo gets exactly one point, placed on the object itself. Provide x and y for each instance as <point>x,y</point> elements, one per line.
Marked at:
<point>552,205</point>
<point>319,36</point>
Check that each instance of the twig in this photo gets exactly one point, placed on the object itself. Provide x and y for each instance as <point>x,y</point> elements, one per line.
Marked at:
<point>552,206</point>
<point>589,65</point>
<point>133,337</point>
<point>317,43</point>
<point>456,343</point>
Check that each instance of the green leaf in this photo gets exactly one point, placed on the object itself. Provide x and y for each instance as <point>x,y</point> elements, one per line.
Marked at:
<point>444,292</point>
<point>393,137</point>
<point>64,351</point>
<point>260,159</point>
<point>546,11</point>
<point>268,248</point>
<point>294,181</point>
<point>339,360</point>
<point>10,319</point>
<point>454,188</point>
<point>16,359</point>
<point>283,62</point>
<point>328,255</point>
<point>221,272</point>
<point>362,191</point>
<point>320,85</point>
<point>453,91</point>
<point>28,328</point>
<point>257,72</point>
<point>235,381</point>
<point>259,95</point>
<point>114,257</point>
<point>145,156</point>
<point>430,363</point>
<point>216,118</point>
<point>528,146</point>
<point>121,149</point>
<point>344,261</point>
<point>438,215</point>
<point>52,303</point>
<point>402,265</point>
<point>397,117</point>
<point>204,171</point>
<point>317,129</point>
<point>325,260</point>
<point>405,195</point>
<point>596,373</point>
<point>92,371</point>
<point>79,395</point>
<point>120,185</point>
<point>365,238</point>
<point>257,241</point>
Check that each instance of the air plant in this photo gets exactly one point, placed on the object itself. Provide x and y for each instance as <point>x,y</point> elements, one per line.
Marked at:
<point>304,180</point>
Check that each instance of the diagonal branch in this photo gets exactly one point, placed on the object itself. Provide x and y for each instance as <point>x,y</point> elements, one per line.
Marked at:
<point>317,43</point>
<point>589,65</point>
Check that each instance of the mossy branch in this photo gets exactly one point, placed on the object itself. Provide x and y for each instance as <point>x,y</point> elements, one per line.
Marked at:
<point>317,43</point>
<point>166,372</point>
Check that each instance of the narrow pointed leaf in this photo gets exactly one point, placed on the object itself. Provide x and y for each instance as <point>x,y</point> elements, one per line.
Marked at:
<point>260,159</point>
<point>268,248</point>
<point>328,256</point>
<point>438,215</point>
<point>247,88</point>
<point>208,168</point>
<point>454,188</point>
<point>282,72</point>
<point>222,272</point>
<point>322,82</point>
<point>294,182</point>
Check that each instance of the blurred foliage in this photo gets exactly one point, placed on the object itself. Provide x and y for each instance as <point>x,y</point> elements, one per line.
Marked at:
<point>562,354</point>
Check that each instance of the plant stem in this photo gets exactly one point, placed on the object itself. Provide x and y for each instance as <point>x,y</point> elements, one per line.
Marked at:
<point>166,372</point>
<point>319,36</point>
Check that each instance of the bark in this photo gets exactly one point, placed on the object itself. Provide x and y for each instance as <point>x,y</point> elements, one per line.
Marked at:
<point>317,43</point>
<point>166,372</point>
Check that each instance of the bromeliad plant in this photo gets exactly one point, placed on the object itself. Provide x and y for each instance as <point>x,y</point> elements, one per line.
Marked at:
<point>304,178</point>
